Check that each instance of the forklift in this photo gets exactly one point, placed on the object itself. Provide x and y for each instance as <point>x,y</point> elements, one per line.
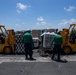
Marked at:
<point>69,37</point>
<point>69,44</point>
<point>7,40</point>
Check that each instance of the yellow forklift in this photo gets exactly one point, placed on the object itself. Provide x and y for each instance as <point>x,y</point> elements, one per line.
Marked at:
<point>69,36</point>
<point>7,40</point>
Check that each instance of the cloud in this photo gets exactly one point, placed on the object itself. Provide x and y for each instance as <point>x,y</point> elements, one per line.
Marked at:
<point>43,23</point>
<point>18,11</point>
<point>65,22</point>
<point>38,24</point>
<point>18,25</point>
<point>40,18</point>
<point>70,8</point>
<point>21,6</point>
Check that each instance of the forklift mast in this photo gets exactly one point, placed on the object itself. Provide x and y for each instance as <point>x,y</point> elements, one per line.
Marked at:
<point>9,40</point>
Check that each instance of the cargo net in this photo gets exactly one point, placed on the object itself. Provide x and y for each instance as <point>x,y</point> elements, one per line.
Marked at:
<point>19,45</point>
<point>19,48</point>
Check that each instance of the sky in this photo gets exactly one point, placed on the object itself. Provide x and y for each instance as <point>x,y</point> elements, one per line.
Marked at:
<point>37,14</point>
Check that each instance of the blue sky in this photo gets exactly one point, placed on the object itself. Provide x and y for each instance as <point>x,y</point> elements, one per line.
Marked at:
<point>37,14</point>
